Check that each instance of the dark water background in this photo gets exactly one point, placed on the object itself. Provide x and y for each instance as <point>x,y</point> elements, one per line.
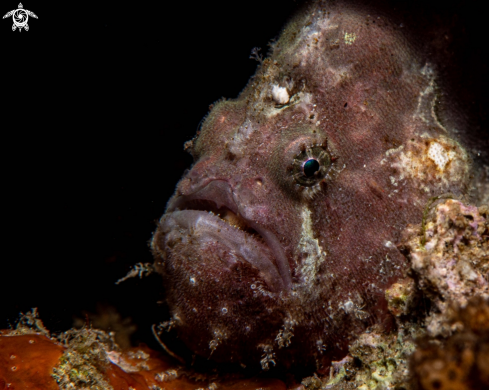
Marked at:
<point>97,101</point>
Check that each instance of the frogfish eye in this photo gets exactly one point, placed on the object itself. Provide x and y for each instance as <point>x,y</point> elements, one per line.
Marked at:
<point>311,166</point>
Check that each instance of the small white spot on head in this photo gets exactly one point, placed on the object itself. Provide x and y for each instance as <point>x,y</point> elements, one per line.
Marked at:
<point>348,306</point>
<point>280,94</point>
<point>224,310</point>
<point>192,280</point>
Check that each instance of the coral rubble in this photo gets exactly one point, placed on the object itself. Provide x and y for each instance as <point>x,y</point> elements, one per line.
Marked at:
<point>450,259</point>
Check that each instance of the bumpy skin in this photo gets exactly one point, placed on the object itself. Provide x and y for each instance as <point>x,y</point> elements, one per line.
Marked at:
<point>257,267</point>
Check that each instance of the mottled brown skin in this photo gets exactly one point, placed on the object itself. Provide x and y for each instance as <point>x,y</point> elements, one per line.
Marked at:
<point>321,256</point>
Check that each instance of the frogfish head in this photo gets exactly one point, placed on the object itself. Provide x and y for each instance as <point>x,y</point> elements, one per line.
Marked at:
<point>279,243</point>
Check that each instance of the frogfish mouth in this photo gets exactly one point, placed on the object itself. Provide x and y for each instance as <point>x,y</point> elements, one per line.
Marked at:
<point>212,216</point>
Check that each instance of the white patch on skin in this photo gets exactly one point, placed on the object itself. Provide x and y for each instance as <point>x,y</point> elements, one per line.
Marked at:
<point>350,38</point>
<point>335,75</point>
<point>439,155</point>
<point>392,151</point>
<point>302,99</point>
<point>309,38</point>
<point>241,135</point>
<point>349,306</point>
<point>304,102</point>
<point>427,100</point>
<point>436,163</point>
<point>280,94</point>
<point>310,246</point>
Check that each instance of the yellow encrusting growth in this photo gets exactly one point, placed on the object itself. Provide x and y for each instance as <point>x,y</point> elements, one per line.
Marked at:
<point>350,38</point>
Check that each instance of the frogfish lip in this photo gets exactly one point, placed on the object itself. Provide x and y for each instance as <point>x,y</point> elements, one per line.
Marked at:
<point>211,213</point>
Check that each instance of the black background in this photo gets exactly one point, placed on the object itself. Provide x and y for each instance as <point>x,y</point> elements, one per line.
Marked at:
<point>97,101</point>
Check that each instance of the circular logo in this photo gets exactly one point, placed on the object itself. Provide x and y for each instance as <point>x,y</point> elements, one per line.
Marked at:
<point>20,17</point>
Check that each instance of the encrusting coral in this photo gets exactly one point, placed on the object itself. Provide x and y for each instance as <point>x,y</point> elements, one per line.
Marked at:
<point>452,269</point>
<point>450,260</point>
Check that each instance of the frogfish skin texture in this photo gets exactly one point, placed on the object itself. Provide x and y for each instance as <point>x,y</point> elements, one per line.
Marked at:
<point>279,243</point>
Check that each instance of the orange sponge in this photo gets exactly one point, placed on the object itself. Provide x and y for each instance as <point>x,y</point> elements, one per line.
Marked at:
<point>35,361</point>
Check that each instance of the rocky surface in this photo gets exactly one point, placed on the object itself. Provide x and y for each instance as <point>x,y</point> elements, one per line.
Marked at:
<point>441,309</point>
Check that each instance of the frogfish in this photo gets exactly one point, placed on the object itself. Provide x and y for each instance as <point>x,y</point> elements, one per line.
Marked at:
<point>280,241</point>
